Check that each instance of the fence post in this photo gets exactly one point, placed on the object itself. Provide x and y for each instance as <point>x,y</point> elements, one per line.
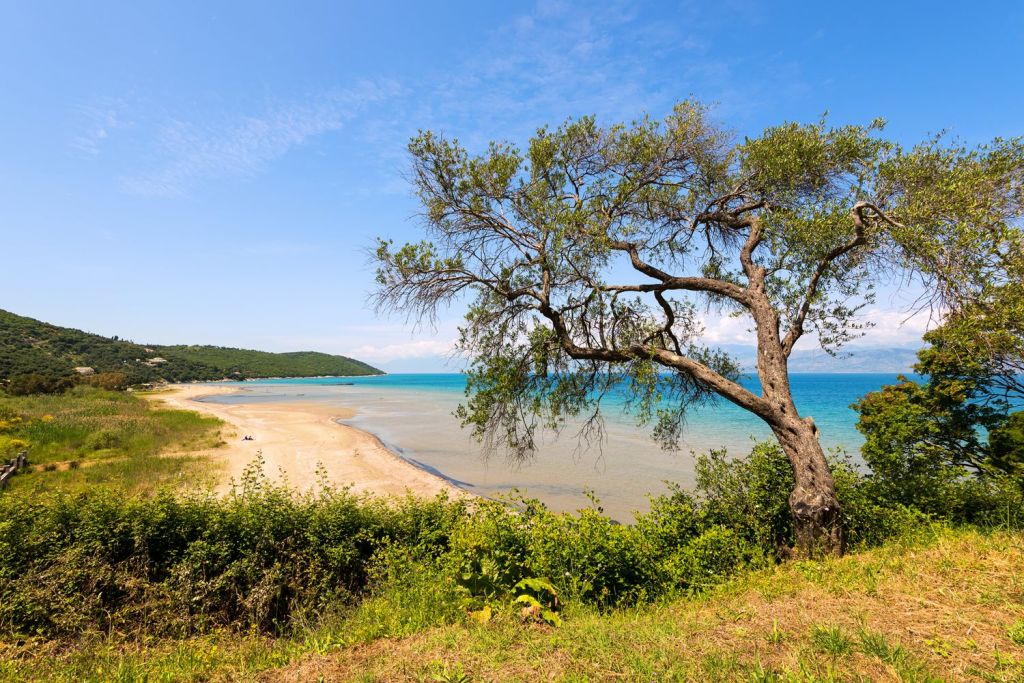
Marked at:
<point>9,469</point>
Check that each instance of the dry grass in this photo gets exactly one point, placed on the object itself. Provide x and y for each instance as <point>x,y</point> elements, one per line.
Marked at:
<point>941,612</point>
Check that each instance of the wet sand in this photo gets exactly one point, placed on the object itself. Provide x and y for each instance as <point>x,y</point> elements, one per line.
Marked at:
<point>298,439</point>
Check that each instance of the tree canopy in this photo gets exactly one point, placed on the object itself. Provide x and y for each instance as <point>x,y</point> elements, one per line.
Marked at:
<point>589,256</point>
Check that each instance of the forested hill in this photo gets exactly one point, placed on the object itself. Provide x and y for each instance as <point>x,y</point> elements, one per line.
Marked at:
<point>30,346</point>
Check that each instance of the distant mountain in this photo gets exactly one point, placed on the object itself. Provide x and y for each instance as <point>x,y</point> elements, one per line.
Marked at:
<point>897,359</point>
<point>852,359</point>
<point>31,346</point>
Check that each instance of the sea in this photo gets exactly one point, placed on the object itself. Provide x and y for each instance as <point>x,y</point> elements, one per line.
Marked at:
<point>413,415</point>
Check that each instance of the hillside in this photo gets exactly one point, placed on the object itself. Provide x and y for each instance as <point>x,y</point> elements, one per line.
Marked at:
<point>31,346</point>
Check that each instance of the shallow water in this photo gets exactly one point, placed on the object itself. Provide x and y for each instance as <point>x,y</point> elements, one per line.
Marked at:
<point>412,413</point>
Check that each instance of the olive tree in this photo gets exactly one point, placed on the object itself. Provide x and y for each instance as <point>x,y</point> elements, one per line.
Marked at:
<point>587,260</point>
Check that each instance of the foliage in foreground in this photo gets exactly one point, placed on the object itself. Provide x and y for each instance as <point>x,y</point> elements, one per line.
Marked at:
<point>899,613</point>
<point>252,581</point>
<point>902,612</point>
<point>264,559</point>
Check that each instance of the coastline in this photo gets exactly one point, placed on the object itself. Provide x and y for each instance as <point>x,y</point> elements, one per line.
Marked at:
<point>298,439</point>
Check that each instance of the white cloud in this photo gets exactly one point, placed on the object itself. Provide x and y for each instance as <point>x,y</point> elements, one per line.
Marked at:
<point>720,329</point>
<point>889,328</point>
<point>423,348</point>
<point>243,147</point>
<point>895,327</point>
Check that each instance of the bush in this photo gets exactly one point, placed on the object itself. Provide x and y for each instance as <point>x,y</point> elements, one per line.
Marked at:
<point>710,558</point>
<point>111,381</point>
<point>34,383</point>
<point>749,495</point>
<point>591,558</point>
<point>9,447</point>
<point>97,561</point>
<point>265,559</point>
<point>102,439</point>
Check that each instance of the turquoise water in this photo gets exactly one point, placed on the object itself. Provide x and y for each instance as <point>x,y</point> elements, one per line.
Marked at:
<point>412,413</point>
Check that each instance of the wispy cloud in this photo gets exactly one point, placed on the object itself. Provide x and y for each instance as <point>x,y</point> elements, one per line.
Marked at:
<point>191,153</point>
<point>615,60</point>
<point>561,57</point>
<point>101,120</point>
<point>558,60</point>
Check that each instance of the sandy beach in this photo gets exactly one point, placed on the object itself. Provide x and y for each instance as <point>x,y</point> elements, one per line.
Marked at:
<point>297,439</point>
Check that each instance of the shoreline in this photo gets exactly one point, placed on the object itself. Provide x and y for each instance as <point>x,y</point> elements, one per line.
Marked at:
<point>298,441</point>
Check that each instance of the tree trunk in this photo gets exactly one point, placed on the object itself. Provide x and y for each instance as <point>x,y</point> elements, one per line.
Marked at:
<point>813,502</point>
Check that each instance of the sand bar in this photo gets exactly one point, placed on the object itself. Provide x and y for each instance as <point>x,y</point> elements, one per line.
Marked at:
<point>296,438</point>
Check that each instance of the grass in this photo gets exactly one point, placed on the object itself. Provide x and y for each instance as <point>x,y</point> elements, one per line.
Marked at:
<point>90,437</point>
<point>874,616</point>
<point>944,607</point>
<point>831,640</point>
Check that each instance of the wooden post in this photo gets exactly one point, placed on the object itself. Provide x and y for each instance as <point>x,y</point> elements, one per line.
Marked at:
<point>11,468</point>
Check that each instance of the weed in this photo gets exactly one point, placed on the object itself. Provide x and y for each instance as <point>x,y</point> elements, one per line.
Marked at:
<point>832,640</point>
<point>442,673</point>
<point>876,645</point>
<point>775,636</point>
<point>1016,633</point>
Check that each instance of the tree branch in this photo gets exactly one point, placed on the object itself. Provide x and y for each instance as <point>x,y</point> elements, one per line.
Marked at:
<point>796,330</point>
<point>724,387</point>
<point>669,282</point>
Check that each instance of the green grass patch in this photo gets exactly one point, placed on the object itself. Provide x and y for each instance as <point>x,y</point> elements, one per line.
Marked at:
<point>89,437</point>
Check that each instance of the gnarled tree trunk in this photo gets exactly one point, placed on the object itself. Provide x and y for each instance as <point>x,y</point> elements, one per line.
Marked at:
<point>813,501</point>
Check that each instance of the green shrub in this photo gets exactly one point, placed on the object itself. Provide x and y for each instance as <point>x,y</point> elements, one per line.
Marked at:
<point>1016,633</point>
<point>749,495</point>
<point>710,558</point>
<point>489,550</point>
<point>407,593</point>
<point>868,519</point>
<point>36,383</point>
<point>266,559</point>
<point>10,446</point>
<point>102,439</point>
<point>110,381</point>
<point>591,558</point>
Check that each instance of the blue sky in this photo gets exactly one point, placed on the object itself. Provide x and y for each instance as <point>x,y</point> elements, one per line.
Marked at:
<point>213,172</point>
